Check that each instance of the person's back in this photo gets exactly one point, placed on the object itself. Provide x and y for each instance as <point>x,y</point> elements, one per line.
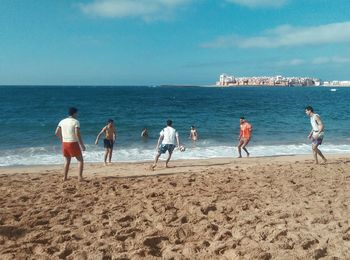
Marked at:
<point>168,138</point>
<point>68,126</point>
<point>246,129</point>
<point>169,134</point>
<point>68,131</point>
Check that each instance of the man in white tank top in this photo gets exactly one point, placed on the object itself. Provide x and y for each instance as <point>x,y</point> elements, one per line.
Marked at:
<point>316,134</point>
<point>168,138</point>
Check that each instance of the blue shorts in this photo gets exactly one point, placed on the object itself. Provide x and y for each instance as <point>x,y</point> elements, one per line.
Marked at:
<point>108,144</point>
<point>166,147</point>
<point>317,141</point>
<point>319,138</point>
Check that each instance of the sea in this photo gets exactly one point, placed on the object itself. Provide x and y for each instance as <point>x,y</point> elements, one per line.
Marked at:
<point>30,114</point>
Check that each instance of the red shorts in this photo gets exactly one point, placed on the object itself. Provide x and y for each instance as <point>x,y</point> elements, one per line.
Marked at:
<point>71,149</point>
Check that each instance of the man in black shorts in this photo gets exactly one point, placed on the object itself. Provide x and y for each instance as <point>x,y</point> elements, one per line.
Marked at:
<point>109,140</point>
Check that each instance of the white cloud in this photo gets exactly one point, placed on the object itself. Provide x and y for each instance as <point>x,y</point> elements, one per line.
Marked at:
<point>146,9</point>
<point>333,59</point>
<point>292,62</point>
<point>312,61</point>
<point>259,3</point>
<point>321,60</point>
<point>287,36</point>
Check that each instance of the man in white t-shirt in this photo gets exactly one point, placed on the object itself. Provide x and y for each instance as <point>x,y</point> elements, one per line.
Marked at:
<point>68,131</point>
<point>168,137</point>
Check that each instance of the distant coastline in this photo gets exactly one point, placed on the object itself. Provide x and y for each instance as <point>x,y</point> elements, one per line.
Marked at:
<point>278,81</point>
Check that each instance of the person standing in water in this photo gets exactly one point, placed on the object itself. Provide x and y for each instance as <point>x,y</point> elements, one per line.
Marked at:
<point>144,133</point>
<point>193,134</point>
<point>109,140</point>
<point>316,134</point>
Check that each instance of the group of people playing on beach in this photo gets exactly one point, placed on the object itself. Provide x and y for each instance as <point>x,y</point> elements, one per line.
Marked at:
<point>68,132</point>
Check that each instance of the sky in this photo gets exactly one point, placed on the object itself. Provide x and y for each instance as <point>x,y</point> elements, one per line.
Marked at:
<point>155,42</point>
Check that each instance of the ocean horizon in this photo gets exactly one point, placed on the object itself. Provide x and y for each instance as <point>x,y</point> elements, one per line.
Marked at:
<point>280,127</point>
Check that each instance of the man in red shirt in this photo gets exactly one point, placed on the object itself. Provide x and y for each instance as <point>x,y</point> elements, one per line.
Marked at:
<point>244,136</point>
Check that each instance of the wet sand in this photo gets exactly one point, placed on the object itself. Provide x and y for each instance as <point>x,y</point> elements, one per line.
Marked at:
<point>252,208</point>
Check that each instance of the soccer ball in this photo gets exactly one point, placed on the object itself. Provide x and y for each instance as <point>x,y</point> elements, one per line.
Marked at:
<point>182,148</point>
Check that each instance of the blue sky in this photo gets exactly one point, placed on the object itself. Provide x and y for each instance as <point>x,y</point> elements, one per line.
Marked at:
<point>129,42</point>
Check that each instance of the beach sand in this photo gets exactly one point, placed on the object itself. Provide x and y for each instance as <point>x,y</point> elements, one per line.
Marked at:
<point>252,208</point>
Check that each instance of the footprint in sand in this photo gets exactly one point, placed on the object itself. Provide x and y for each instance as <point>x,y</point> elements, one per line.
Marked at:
<point>17,216</point>
<point>205,210</point>
<point>153,244</point>
<point>126,221</point>
<point>308,242</point>
<point>184,232</point>
<point>12,232</point>
<point>125,234</point>
<point>66,252</point>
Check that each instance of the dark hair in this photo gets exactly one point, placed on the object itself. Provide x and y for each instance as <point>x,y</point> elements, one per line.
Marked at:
<point>169,123</point>
<point>309,108</point>
<point>72,111</point>
<point>110,121</point>
<point>242,117</point>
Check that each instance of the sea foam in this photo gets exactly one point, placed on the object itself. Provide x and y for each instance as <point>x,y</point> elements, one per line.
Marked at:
<point>52,155</point>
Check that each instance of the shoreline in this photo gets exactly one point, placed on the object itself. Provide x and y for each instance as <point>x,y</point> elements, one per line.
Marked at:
<point>24,158</point>
<point>187,163</point>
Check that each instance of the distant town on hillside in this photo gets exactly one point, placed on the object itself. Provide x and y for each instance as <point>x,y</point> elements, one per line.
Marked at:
<point>229,80</point>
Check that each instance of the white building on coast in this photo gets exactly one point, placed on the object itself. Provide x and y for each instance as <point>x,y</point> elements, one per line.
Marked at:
<point>229,80</point>
<point>337,83</point>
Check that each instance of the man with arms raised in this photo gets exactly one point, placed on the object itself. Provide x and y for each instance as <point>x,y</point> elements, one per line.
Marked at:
<point>68,131</point>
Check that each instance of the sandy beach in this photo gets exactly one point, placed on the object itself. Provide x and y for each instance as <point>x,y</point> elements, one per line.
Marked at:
<point>252,208</point>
